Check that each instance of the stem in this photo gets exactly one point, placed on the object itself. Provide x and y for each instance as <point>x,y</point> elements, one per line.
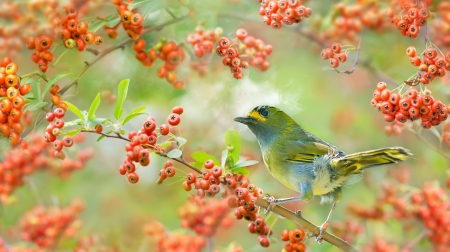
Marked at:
<point>358,49</point>
<point>440,151</point>
<point>415,240</point>
<point>298,219</point>
<point>34,74</point>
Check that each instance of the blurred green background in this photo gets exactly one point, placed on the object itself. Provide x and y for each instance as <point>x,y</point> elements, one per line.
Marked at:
<point>335,107</point>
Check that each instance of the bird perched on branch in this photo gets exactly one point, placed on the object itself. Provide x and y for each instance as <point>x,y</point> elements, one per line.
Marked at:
<point>307,164</point>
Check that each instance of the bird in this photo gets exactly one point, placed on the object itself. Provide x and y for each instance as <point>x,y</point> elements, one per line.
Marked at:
<point>307,164</point>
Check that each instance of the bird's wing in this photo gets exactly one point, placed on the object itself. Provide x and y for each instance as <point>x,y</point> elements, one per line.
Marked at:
<point>302,152</point>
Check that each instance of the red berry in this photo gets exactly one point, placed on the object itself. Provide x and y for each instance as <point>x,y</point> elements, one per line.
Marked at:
<point>174,119</point>
<point>178,110</point>
<point>50,116</point>
<point>164,129</point>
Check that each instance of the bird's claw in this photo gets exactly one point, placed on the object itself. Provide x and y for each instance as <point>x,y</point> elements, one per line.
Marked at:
<point>272,203</point>
<point>322,228</point>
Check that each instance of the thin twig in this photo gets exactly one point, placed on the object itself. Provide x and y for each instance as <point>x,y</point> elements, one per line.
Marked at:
<point>358,49</point>
<point>440,151</point>
<point>299,220</point>
<point>170,13</point>
<point>34,74</point>
<point>93,51</point>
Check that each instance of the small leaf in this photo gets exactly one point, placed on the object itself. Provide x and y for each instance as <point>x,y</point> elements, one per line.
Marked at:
<point>241,170</point>
<point>94,106</point>
<point>100,138</point>
<point>246,163</point>
<point>201,157</point>
<point>224,157</point>
<point>35,105</point>
<point>96,25</point>
<point>54,80</point>
<point>75,110</point>
<point>72,133</point>
<point>233,140</point>
<point>113,21</point>
<point>73,123</point>
<point>229,161</point>
<point>181,141</point>
<point>121,96</point>
<point>175,153</point>
<point>133,114</point>
<point>165,144</point>
<point>94,122</point>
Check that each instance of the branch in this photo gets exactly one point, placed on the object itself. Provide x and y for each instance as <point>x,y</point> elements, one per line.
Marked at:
<point>298,219</point>
<point>97,58</point>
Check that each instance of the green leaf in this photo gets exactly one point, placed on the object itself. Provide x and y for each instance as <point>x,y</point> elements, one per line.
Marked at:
<point>240,170</point>
<point>229,161</point>
<point>54,80</point>
<point>150,6</point>
<point>233,140</point>
<point>224,157</point>
<point>133,114</point>
<point>165,144</point>
<point>100,138</point>
<point>175,153</point>
<point>75,110</point>
<point>72,133</point>
<point>121,95</point>
<point>113,21</point>
<point>245,163</point>
<point>201,157</point>
<point>181,141</point>
<point>94,106</point>
<point>96,25</point>
<point>35,105</point>
<point>73,123</point>
<point>35,89</point>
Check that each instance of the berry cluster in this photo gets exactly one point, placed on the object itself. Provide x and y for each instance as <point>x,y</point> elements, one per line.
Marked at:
<point>244,202</point>
<point>93,242</point>
<point>346,22</point>
<point>56,98</point>
<point>172,242</point>
<point>44,226</point>
<point>42,56</point>
<point>278,12</point>
<point>75,33</point>
<point>12,103</point>
<point>394,129</point>
<point>428,205</point>
<point>294,237</point>
<point>334,54</point>
<point>132,22</point>
<point>53,130</point>
<point>203,41</point>
<point>412,106</point>
<point>381,245</point>
<point>205,217</point>
<point>414,16</point>
<point>430,67</point>
<point>209,184</point>
<point>246,47</point>
<point>442,25</point>
<point>144,141</point>
<point>446,133</point>
<point>17,164</point>
<point>348,230</point>
<point>171,53</point>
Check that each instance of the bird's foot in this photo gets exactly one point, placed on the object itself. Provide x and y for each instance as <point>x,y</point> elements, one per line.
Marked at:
<point>272,203</point>
<point>322,228</point>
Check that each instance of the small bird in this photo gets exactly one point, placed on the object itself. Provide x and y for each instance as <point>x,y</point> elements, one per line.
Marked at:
<point>307,164</point>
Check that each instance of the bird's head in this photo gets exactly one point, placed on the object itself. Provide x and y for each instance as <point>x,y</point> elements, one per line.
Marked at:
<point>266,121</point>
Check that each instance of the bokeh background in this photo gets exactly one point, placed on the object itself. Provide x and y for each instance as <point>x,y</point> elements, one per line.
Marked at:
<point>335,107</point>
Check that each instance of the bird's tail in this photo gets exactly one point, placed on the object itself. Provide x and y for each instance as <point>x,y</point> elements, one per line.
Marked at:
<point>354,163</point>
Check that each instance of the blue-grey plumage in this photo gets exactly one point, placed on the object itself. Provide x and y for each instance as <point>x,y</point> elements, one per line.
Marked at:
<point>305,163</point>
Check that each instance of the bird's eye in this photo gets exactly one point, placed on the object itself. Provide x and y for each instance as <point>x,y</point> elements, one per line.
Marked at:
<point>264,112</point>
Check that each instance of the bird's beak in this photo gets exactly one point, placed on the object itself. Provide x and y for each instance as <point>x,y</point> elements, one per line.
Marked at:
<point>245,120</point>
